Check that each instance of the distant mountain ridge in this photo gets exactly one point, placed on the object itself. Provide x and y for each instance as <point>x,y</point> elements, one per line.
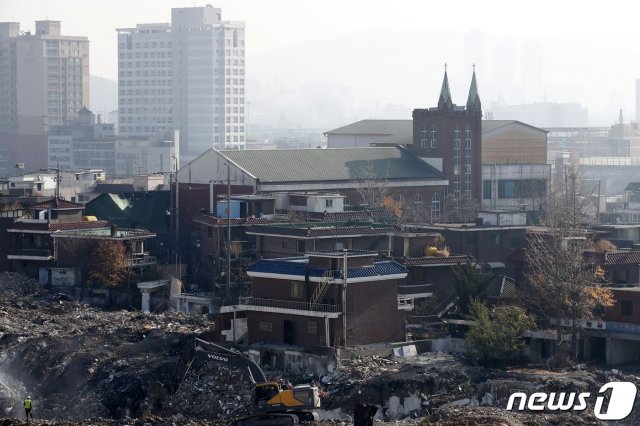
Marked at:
<point>104,94</point>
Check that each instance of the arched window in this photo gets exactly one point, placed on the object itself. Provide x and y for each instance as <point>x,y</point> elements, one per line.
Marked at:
<point>435,207</point>
<point>418,199</point>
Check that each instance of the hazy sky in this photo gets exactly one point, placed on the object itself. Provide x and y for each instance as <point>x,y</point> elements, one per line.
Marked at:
<point>587,51</point>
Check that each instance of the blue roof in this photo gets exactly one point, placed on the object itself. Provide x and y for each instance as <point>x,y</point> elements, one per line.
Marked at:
<point>290,267</point>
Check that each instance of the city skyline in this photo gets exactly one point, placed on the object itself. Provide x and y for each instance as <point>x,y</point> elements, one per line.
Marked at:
<point>554,54</point>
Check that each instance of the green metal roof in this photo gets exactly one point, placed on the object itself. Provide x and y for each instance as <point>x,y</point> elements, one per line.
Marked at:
<point>143,210</point>
<point>333,164</point>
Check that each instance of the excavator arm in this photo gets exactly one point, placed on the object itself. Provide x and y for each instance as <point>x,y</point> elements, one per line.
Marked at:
<point>212,352</point>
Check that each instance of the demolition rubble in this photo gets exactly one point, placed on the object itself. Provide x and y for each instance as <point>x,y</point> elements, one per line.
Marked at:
<point>79,363</point>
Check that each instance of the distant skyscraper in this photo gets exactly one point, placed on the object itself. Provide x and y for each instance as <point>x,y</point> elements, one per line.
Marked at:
<point>188,76</point>
<point>44,77</point>
<point>638,100</point>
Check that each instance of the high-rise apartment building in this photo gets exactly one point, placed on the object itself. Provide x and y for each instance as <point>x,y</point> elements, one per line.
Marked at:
<point>44,77</point>
<point>144,80</point>
<point>187,76</point>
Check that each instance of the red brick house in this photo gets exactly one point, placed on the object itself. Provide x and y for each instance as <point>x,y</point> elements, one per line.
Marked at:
<point>311,301</point>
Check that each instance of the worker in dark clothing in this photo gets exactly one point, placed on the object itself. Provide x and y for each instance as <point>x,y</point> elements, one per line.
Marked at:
<point>27,407</point>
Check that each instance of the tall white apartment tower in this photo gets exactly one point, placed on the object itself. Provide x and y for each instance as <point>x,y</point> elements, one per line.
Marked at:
<point>144,80</point>
<point>196,86</point>
<point>44,77</point>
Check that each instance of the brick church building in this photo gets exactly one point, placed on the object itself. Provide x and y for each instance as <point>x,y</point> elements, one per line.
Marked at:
<point>449,137</point>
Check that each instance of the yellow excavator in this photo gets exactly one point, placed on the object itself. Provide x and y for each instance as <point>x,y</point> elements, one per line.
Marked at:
<point>274,403</point>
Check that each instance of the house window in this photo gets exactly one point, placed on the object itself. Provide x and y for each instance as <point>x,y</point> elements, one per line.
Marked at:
<point>434,138</point>
<point>435,207</point>
<point>486,189</point>
<point>424,139</point>
<point>284,244</point>
<point>626,308</point>
<point>620,276</point>
<point>312,327</point>
<point>266,326</point>
<point>418,199</point>
<point>297,289</point>
<point>301,247</point>
<point>209,232</point>
<point>328,203</point>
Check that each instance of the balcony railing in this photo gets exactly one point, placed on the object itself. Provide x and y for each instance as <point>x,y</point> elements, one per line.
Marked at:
<point>141,260</point>
<point>288,304</point>
<point>409,289</point>
<point>30,253</point>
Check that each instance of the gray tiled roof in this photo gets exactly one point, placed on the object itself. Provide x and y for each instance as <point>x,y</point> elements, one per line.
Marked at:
<point>333,164</point>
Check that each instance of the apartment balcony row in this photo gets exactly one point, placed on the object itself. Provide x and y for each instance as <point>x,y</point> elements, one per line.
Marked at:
<point>290,307</point>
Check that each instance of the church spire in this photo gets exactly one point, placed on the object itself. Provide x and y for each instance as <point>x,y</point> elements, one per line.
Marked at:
<point>445,93</point>
<point>473,101</point>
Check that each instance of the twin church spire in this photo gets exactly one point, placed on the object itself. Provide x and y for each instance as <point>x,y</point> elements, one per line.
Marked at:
<point>473,100</point>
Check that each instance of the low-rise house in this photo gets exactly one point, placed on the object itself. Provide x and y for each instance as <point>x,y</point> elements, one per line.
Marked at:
<point>280,240</point>
<point>54,240</point>
<point>31,245</point>
<point>335,298</point>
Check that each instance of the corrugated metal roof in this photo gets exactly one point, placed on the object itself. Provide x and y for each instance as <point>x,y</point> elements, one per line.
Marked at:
<point>297,268</point>
<point>436,260</point>
<point>321,231</point>
<point>374,127</point>
<point>222,221</point>
<point>333,164</point>
<point>403,129</point>
<point>57,203</point>
<point>46,227</point>
<point>379,215</point>
<point>621,257</point>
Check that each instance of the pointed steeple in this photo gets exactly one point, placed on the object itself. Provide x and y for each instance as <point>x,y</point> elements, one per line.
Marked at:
<point>445,94</point>
<point>473,101</point>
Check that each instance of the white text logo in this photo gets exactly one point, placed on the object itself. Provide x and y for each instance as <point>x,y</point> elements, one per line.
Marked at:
<point>623,395</point>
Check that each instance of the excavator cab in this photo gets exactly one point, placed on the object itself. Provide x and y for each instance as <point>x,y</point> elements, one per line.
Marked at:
<point>264,392</point>
<point>271,396</point>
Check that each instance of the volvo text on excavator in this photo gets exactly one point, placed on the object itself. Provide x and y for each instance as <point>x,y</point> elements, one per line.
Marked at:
<point>274,403</point>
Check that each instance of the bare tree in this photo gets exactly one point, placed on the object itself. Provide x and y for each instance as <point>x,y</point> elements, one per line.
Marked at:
<point>370,187</point>
<point>463,210</point>
<point>561,284</point>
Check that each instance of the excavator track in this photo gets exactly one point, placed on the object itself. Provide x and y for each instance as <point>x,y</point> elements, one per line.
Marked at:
<point>278,419</point>
<point>268,419</point>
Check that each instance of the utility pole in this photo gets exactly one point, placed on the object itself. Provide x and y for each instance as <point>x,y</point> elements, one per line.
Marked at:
<point>177,216</point>
<point>344,297</point>
<point>57,182</point>
<point>229,229</point>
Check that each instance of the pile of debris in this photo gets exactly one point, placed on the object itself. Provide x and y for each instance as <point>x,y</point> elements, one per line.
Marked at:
<point>80,363</point>
<point>12,284</point>
<point>212,391</point>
